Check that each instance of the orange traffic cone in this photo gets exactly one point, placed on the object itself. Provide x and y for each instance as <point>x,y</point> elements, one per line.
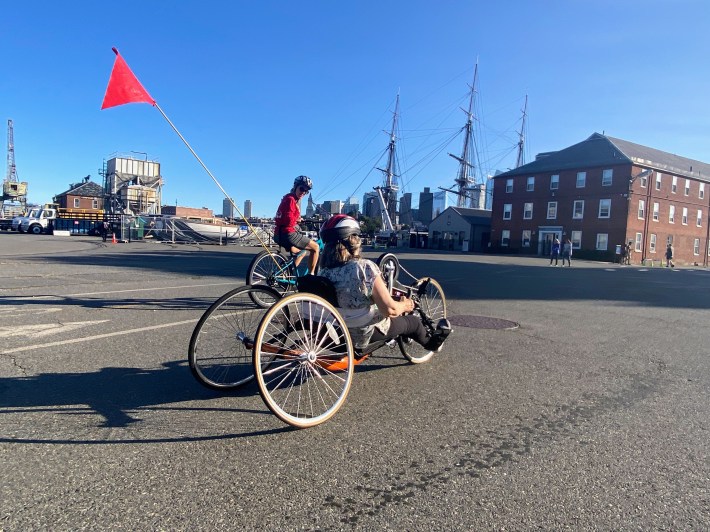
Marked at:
<point>113,240</point>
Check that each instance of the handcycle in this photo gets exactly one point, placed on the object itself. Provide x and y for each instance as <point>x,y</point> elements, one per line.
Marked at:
<point>299,348</point>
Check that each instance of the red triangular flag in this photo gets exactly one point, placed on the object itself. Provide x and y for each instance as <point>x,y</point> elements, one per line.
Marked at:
<point>124,87</point>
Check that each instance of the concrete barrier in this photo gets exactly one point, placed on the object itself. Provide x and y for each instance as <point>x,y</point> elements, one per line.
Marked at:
<point>61,233</point>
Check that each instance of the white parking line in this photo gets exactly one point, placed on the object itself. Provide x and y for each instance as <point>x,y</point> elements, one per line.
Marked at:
<point>124,291</point>
<point>95,337</point>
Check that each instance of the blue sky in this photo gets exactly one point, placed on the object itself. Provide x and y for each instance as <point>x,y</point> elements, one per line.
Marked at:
<point>265,91</point>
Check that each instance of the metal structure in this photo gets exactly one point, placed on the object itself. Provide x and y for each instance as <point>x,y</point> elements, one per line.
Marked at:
<point>14,192</point>
<point>132,186</point>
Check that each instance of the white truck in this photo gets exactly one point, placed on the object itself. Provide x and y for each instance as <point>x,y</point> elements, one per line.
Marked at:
<point>17,220</point>
<point>42,222</point>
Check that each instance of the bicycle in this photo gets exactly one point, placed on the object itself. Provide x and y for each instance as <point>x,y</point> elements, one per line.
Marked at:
<point>273,269</point>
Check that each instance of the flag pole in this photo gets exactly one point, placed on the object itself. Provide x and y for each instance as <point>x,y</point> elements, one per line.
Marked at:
<point>155,104</point>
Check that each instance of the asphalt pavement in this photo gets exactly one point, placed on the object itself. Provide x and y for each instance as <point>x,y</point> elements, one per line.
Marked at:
<point>590,410</point>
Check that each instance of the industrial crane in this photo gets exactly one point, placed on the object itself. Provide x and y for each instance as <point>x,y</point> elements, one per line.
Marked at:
<point>14,192</point>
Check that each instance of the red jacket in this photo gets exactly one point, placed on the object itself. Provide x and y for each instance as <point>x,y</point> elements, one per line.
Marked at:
<point>287,215</point>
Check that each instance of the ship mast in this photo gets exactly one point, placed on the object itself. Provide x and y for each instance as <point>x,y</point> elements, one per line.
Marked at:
<point>521,137</point>
<point>388,193</point>
<point>465,182</point>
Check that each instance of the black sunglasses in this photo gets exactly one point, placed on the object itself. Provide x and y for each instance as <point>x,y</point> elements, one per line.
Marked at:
<point>304,189</point>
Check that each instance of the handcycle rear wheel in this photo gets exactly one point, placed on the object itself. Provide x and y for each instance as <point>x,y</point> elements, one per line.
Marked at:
<point>433,303</point>
<point>274,270</point>
<point>303,360</point>
<point>218,357</point>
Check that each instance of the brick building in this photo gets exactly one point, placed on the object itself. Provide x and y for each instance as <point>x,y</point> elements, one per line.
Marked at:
<point>86,196</point>
<point>602,193</point>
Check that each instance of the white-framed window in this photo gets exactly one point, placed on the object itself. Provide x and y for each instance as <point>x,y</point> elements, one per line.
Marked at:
<point>658,180</point>
<point>576,239</point>
<point>95,204</point>
<point>505,238</point>
<point>531,184</point>
<point>578,209</point>
<point>607,176</point>
<point>674,184</point>
<point>642,209</point>
<point>581,179</point>
<point>602,241</point>
<point>551,210</point>
<point>507,211</point>
<point>699,219</point>
<point>671,214</point>
<point>701,190</point>
<point>77,202</point>
<point>696,246</point>
<point>687,187</point>
<point>643,181</point>
<point>669,240</point>
<point>604,208</point>
<point>652,244</point>
<point>656,211</point>
<point>554,182</point>
<point>509,185</point>
<point>527,211</point>
<point>637,242</point>
<point>526,238</point>
<point>684,219</point>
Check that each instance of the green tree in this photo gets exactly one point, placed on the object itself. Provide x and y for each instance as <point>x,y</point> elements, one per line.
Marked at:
<point>370,225</point>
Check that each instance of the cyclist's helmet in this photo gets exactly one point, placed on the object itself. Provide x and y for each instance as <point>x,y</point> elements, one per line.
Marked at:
<point>303,181</point>
<point>339,227</point>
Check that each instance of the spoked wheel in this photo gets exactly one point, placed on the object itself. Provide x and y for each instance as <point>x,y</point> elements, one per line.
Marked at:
<point>433,303</point>
<point>389,265</point>
<point>220,347</point>
<point>303,360</point>
<point>273,270</point>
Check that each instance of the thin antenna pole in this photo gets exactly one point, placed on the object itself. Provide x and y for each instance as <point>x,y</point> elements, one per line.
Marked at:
<point>212,176</point>
<point>521,137</point>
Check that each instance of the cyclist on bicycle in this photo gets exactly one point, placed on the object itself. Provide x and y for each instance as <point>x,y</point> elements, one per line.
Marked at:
<point>364,301</point>
<point>288,215</point>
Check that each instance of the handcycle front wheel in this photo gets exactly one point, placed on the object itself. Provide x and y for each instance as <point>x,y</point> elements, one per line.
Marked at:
<point>388,262</point>
<point>218,356</point>
<point>303,360</point>
<point>433,303</point>
<point>273,270</point>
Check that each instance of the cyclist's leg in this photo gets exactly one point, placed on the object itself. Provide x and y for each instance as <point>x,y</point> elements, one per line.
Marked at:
<point>314,250</point>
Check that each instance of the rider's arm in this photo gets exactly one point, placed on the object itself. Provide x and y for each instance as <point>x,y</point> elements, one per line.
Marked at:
<point>388,306</point>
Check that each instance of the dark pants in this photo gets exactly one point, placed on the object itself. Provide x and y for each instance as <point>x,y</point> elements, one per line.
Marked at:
<point>410,326</point>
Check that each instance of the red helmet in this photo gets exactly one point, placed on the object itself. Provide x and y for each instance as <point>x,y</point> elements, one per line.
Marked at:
<point>339,227</point>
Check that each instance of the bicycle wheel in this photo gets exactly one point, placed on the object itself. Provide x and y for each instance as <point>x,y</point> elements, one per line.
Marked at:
<point>273,270</point>
<point>433,306</point>
<point>303,360</point>
<point>388,263</point>
<point>218,355</point>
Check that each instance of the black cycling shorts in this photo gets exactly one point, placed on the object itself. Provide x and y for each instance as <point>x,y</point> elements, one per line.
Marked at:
<point>295,239</point>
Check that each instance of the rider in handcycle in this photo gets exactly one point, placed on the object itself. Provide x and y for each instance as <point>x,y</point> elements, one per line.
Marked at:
<point>288,215</point>
<point>364,301</point>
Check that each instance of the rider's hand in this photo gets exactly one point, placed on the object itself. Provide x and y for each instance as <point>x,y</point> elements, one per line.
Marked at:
<point>408,304</point>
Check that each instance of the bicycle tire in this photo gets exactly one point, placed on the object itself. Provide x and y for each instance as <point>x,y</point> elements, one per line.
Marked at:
<point>388,261</point>
<point>433,303</point>
<point>303,360</point>
<point>273,270</point>
<point>218,359</point>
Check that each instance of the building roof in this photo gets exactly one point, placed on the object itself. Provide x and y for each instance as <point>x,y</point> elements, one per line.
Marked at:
<point>86,189</point>
<point>601,150</point>
<point>472,216</point>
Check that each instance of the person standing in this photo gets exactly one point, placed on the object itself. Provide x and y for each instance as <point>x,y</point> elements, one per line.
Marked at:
<point>669,256</point>
<point>567,252</point>
<point>287,217</point>
<point>555,252</point>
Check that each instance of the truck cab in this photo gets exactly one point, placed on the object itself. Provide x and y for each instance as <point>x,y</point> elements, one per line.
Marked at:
<point>17,220</point>
<point>42,222</point>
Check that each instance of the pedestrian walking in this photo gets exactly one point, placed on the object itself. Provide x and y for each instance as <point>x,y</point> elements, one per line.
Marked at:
<point>669,256</point>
